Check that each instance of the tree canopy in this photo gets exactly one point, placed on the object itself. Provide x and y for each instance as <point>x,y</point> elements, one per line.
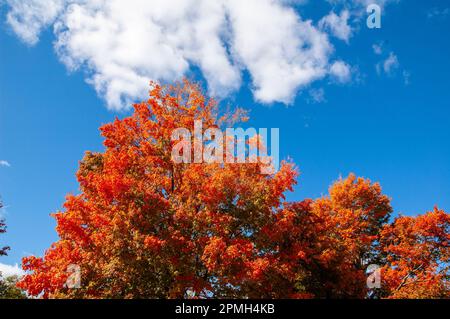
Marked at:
<point>144,226</point>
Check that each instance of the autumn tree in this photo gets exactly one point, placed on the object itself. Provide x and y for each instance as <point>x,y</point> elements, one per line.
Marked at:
<point>327,243</point>
<point>416,256</point>
<point>146,226</point>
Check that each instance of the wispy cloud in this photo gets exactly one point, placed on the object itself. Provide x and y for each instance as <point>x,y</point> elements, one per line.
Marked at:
<point>316,96</point>
<point>406,77</point>
<point>389,65</point>
<point>438,13</point>
<point>361,5</point>
<point>4,163</point>
<point>338,25</point>
<point>341,72</point>
<point>377,48</point>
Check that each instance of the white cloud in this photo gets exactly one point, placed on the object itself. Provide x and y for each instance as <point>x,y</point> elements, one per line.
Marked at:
<point>357,8</point>
<point>281,52</point>
<point>121,45</point>
<point>28,18</point>
<point>378,48</point>
<point>341,72</point>
<point>4,163</point>
<point>9,270</point>
<point>436,12</point>
<point>317,96</point>
<point>406,77</point>
<point>362,3</point>
<point>389,65</point>
<point>381,3</point>
<point>337,25</point>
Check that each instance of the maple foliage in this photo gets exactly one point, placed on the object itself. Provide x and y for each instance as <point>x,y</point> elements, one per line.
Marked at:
<point>325,241</point>
<point>144,226</point>
<point>416,252</point>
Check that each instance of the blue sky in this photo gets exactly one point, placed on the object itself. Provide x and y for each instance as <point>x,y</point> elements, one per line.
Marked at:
<point>390,124</point>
